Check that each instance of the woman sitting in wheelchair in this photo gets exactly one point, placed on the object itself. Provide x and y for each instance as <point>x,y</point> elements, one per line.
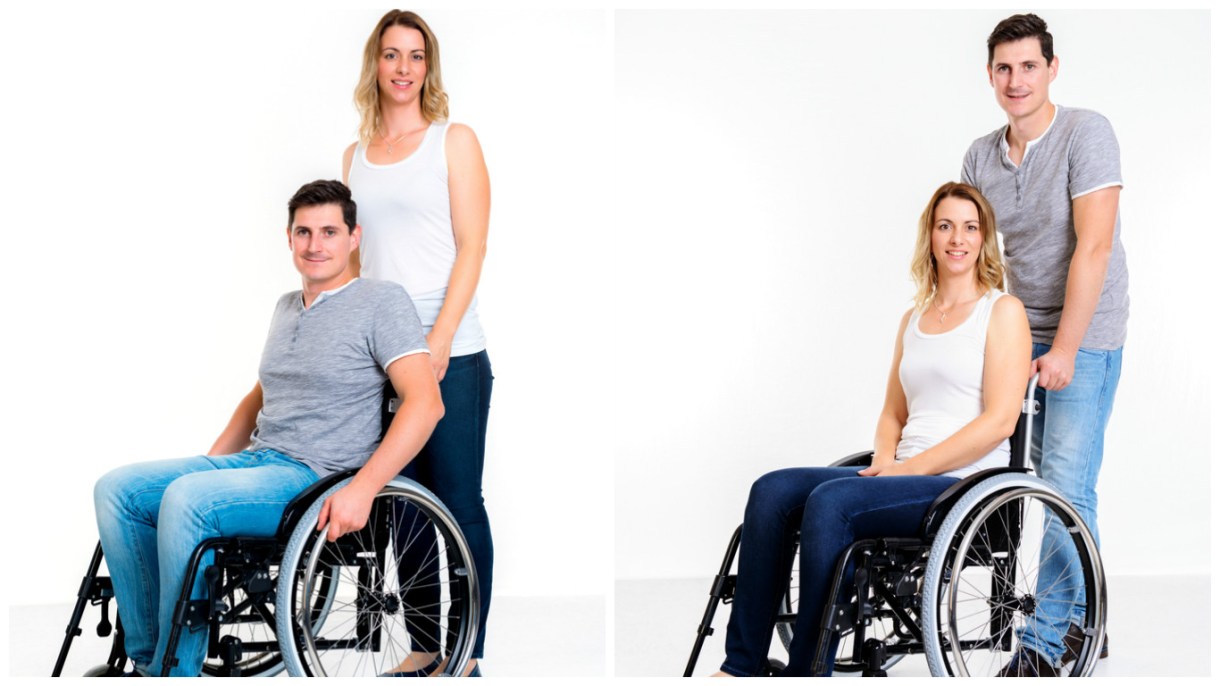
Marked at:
<point>960,365</point>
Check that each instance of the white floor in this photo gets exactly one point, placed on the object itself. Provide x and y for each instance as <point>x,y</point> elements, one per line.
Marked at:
<point>655,623</point>
<point>524,638</point>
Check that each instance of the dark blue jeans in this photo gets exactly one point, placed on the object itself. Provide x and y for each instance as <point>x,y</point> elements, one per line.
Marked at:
<point>832,507</point>
<point>451,466</point>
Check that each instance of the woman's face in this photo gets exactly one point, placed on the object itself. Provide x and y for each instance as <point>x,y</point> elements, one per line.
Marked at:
<point>957,236</point>
<point>402,66</point>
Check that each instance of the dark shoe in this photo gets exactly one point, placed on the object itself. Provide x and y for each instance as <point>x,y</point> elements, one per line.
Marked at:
<point>475,672</point>
<point>1026,662</point>
<point>110,670</point>
<point>1074,641</point>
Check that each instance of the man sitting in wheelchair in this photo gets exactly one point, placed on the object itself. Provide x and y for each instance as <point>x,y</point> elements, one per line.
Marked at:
<point>960,364</point>
<point>315,410</point>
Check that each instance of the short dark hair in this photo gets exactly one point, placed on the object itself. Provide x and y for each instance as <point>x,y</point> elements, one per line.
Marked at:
<point>1020,26</point>
<point>322,192</point>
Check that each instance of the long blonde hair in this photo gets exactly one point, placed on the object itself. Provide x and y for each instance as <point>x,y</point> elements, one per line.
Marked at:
<point>988,271</point>
<point>434,103</point>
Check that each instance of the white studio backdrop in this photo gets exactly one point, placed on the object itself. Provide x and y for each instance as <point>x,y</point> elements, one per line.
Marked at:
<point>771,168</point>
<point>149,157</point>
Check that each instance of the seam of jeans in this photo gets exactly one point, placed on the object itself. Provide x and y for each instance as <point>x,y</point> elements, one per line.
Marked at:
<point>888,505</point>
<point>1096,421</point>
<point>147,589</point>
<point>210,508</point>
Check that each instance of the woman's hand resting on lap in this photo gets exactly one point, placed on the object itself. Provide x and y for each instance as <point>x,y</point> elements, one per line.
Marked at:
<point>888,468</point>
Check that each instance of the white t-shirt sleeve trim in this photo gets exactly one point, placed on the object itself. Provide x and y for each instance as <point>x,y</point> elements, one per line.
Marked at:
<point>1097,188</point>
<point>407,354</point>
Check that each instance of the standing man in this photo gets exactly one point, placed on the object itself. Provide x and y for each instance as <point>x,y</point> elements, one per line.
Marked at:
<point>1052,174</point>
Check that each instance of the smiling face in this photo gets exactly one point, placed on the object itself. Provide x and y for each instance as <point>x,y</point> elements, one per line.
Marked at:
<point>957,237</point>
<point>1021,77</point>
<point>402,66</point>
<point>321,246</point>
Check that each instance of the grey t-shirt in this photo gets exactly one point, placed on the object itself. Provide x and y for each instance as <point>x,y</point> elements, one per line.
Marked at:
<point>1078,154</point>
<point>322,372</point>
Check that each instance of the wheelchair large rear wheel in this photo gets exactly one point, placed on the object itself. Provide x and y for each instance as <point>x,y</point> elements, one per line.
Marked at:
<point>376,618</point>
<point>983,592</point>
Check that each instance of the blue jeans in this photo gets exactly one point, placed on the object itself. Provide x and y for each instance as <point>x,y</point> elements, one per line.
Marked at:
<point>451,466</point>
<point>152,515</point>
<point>832,506</point>
<point>1069,436</point>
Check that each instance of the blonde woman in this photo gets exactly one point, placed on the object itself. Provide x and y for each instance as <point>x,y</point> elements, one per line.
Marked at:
<point>960,366</point>
<point>423,195</point>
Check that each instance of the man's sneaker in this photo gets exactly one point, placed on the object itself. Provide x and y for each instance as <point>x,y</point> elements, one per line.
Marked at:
<point>1026,662</point>
<point>1075,640</point>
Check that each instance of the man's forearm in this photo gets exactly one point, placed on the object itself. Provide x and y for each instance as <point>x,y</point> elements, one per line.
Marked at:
<point>236,435</point>
<point>1086,275</point>
<point>408,432</point>
<point>1094,216</point>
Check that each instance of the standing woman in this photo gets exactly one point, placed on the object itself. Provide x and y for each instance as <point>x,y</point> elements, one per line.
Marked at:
<point>423,195</point>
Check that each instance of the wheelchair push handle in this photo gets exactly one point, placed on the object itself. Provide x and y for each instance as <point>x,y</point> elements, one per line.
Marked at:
<point>1030,407</point>
<point>1030,389</point>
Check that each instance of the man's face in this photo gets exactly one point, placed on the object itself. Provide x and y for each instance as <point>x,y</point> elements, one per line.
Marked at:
<point>321,245</point>
<point>1021,77</point>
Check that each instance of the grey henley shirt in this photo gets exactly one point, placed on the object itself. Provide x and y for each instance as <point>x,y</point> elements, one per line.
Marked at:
<point>1076,155</point>
<point>323,371</point>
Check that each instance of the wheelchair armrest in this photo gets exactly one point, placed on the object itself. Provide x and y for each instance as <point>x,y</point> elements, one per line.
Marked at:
<point>861,459</point>
<point>940,507</point>
<point>295,509</point>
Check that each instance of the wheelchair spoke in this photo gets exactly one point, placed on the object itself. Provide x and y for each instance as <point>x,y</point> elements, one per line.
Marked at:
<point>427,562</point>
<point>403,582</point>
<point>1060,583</point>
<point>986,591</point>
<point>443,629</point>
<point>414,526</point>
<point>980,593</point>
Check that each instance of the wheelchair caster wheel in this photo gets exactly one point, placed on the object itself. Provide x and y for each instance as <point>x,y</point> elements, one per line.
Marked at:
<point>874,658</point>
<point>104,670</point>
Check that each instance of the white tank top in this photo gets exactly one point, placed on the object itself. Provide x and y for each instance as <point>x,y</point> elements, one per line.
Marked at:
<point>403,209</point>
<point>942,378</point>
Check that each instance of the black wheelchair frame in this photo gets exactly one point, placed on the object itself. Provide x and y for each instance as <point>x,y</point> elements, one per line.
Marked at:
<point>887,578</point>
<point>245,589</point>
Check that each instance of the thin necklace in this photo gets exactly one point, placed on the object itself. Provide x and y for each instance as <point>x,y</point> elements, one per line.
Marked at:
<point>943,313</point>
<point>389,147</point>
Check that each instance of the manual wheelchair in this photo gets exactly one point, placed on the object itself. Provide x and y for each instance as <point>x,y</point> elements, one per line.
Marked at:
<point>960,592</point>
<point>298,602</point>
